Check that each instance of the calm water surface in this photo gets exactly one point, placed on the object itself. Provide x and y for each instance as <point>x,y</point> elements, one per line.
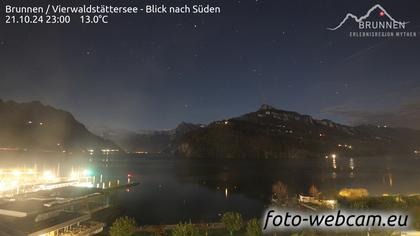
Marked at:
<point>174,190</point>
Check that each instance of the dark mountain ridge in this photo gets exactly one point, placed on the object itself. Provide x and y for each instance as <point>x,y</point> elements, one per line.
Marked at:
<point>35,126</point>
<point>147,142</point>
<point>274,133</point>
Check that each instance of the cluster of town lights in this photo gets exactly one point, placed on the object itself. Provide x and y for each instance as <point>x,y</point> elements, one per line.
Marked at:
<point>345,146</point>
<point>15,181</point>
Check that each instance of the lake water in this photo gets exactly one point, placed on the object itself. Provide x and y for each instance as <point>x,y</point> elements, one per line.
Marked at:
<point>174,190</point>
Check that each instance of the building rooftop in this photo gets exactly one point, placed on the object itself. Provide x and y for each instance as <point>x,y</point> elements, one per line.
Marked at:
<point>27,225</point>
<point>46,200</point>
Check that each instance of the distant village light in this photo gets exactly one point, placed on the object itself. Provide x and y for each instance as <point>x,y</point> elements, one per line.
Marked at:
<point>345,146</point>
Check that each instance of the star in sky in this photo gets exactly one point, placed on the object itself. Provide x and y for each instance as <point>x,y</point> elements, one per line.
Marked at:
<point>274,52</point>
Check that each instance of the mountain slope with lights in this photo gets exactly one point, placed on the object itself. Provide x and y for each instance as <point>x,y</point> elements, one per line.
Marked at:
<point>146,141</point>
<point>273,133</point>
<point>35,126</point>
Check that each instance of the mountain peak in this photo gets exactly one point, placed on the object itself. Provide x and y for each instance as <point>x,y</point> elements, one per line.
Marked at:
<point>185,127</point>
<point>264,107</point>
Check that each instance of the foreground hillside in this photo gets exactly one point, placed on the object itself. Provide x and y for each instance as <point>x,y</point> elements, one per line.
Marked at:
<point>273,133</point>
<point>34,126</point>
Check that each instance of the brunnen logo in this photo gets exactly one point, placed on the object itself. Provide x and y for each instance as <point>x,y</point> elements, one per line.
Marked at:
<point>387,26</point>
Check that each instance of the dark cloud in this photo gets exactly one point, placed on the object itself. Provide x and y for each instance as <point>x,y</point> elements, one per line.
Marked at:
<point>407,115</point>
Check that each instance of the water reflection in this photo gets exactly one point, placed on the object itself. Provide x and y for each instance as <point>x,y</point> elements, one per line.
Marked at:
<point>200,190</point>
<point>249,186</point>
<point>390,179</point>
<point>351,163</point>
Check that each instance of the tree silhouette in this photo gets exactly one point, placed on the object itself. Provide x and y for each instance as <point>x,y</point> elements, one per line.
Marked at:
<point>233,221</point>
<point>253,228</point>
<point>313,191</point>
<point>279,190</point>
<point>123,226</point>
<point>185,229</point>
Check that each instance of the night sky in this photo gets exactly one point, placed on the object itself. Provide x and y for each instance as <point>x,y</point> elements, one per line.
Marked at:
<point>154,71</point>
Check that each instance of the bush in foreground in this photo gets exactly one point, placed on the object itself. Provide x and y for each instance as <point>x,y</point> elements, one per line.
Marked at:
<point>123,226</point>
<point>185,229</point>
<point>233,221</point>
<point>253,228</point>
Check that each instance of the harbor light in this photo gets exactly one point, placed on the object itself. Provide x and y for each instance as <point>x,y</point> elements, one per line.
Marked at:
<point>73,175</point>
<point>48,175</point>
<point>87,172</point>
